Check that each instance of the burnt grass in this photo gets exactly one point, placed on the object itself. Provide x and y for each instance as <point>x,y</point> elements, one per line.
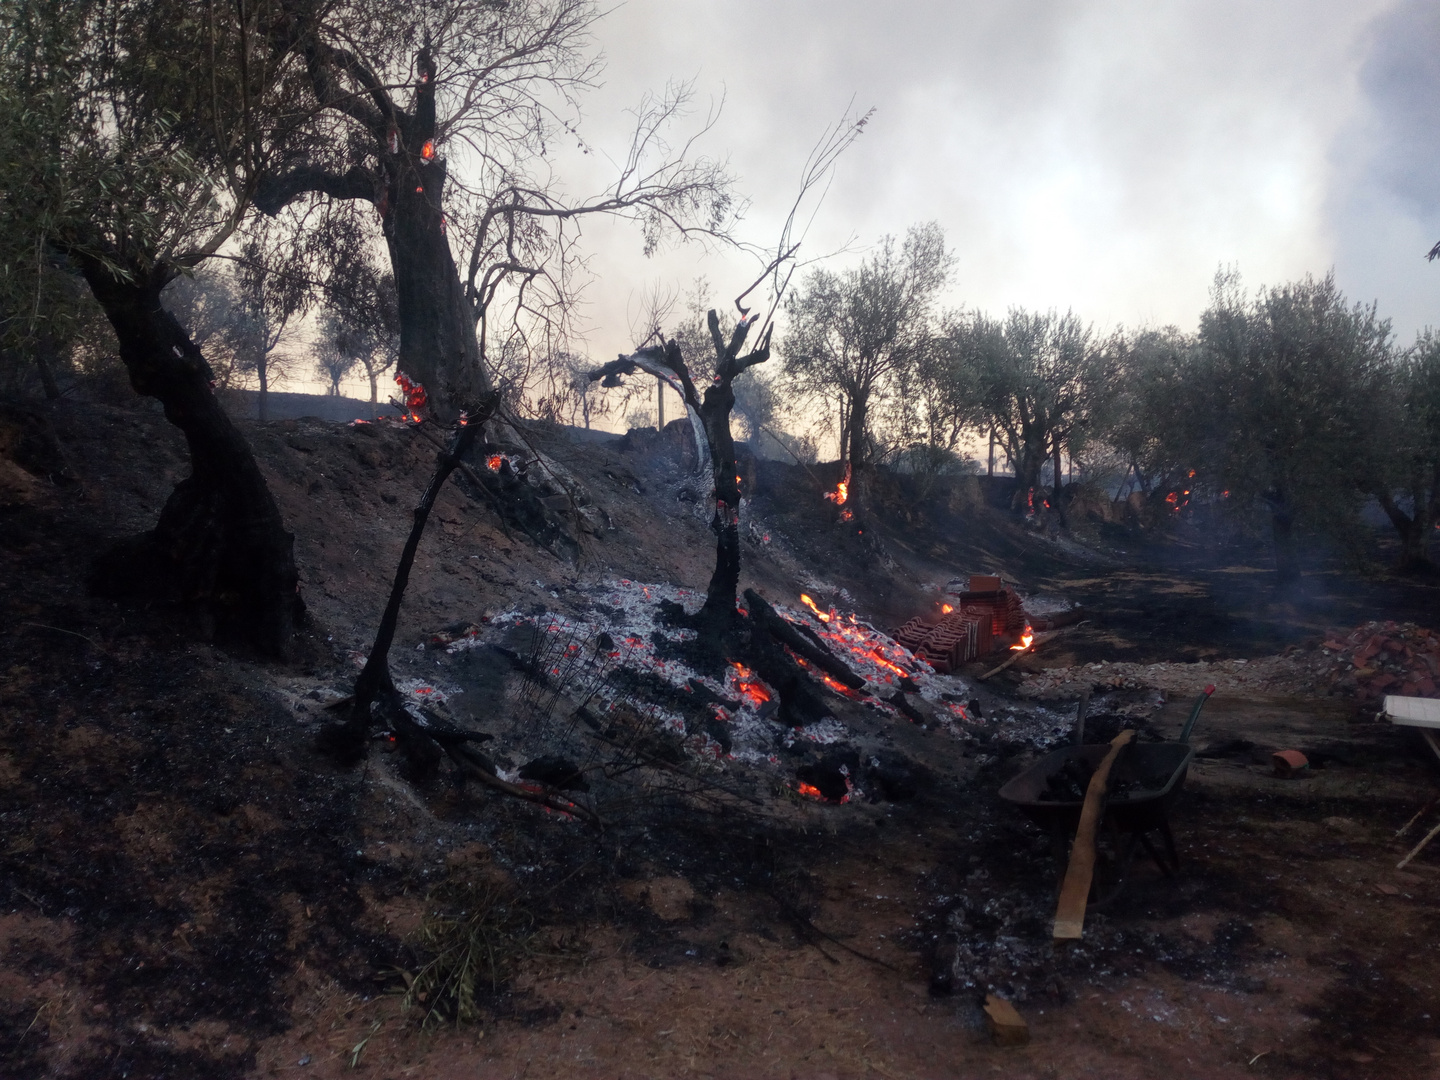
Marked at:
<point>173,850</point>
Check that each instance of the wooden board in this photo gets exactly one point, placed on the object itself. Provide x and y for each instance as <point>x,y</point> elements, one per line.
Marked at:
<point>1075,893</point>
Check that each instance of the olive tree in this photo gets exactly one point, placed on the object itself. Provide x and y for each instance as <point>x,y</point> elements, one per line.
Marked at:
<point>1288,383</point>
<point>855,335</point>
<point>128,148</point>
<point>1038,380</point>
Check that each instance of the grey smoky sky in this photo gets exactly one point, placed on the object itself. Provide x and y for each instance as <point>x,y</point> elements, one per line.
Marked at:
<point>1103,156</point>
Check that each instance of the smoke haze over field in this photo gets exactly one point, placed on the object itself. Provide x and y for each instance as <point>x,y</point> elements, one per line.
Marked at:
<point>1104,156</point>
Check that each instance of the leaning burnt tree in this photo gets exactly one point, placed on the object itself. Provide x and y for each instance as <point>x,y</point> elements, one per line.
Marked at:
<point>96,168</point>
<point>220,546</point>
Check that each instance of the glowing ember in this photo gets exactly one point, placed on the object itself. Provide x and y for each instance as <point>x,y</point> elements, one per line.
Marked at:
<point>809,790</point>
<point>414,397</point>
<point>493,462</point>
<point>748,686</point>
<point>860,644</point>
<point>822,616</point>
<point>1026,640</point>
<point>428,150</point>
<point>842,489</point>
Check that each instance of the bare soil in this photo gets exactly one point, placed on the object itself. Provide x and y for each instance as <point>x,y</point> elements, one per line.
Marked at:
<point>187,889</point>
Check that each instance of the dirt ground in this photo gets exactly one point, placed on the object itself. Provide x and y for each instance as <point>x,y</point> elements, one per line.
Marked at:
<point>187,889</point>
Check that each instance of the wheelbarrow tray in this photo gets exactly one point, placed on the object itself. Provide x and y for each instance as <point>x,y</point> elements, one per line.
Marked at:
<point>1160,767</point>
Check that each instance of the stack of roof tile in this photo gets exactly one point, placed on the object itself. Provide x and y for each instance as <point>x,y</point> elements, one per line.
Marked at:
<point>947,644</point>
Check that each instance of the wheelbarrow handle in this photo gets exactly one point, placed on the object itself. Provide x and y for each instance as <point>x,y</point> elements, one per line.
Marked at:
<point>1195,713</point>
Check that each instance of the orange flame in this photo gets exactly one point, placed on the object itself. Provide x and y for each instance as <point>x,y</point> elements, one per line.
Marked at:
<point>822,616</point>
<point>945,609</point>
<point>428,150</point>
<point>809,790</point>
<point>414,396</point>
<point>1026,640</point>
<point>748,686</point>
<point>493,462</point>
<point>842,489</point>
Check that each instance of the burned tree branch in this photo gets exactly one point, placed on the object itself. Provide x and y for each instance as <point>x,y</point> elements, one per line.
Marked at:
<point>274,193</point>
<point>348,742</point>
<point>777,626</point>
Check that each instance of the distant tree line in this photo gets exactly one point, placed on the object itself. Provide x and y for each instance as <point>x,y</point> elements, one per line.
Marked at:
<point>1288,408</point>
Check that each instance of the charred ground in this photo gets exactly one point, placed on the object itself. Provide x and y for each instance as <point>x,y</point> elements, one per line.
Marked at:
<point>188,889</point>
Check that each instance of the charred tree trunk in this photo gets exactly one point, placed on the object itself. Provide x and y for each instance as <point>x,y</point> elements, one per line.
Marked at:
<point>1027,475</point>
<point>1414,529</point>
<point>711,416</point>
<point>724,584</point>
<point>262,368</point>
<point>45,354</point>
<point>438,345</point>
<point>1059,475</point>
<point>220,545</point>
<point>854,449</point>
<point>1287,549</point>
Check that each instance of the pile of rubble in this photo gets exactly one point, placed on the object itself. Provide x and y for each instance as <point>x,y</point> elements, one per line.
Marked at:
<point>1364,663</point>
<point>1384,658</point>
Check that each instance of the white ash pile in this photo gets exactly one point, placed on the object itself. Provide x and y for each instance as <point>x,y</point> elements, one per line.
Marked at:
<point>620,663</point>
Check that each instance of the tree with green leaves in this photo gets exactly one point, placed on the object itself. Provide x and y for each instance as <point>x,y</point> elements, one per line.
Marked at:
<point>1406,481</point>
<point>855,335</point>
<point>1038,380</point>
<point>128,148</point>
<point>1288,383</point>
<point>1150,418</point>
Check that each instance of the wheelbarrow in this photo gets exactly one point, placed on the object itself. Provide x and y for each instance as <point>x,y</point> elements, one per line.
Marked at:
<point>1144,783</point>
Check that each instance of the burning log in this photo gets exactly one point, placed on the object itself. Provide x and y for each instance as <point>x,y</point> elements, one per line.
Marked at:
<point>783,630</point>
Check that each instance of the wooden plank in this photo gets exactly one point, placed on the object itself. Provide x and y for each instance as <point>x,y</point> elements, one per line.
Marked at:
<point>1075,893</point>
<point>1007,1027</point>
